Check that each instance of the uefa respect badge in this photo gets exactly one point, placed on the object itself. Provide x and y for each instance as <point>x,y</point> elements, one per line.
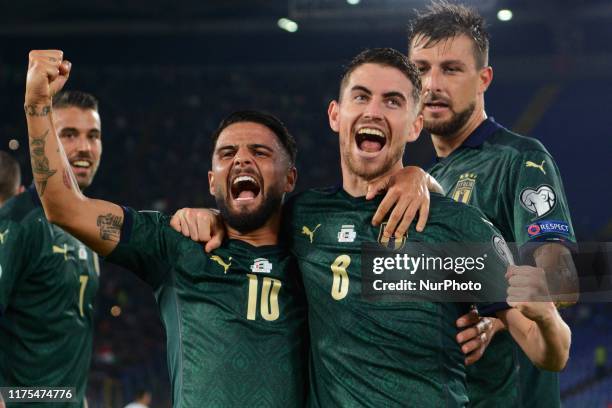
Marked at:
<point>544,227</point>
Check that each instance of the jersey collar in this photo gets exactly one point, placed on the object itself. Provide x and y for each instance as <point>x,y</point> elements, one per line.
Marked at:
<point>475,139</point>
<point>481,133</point>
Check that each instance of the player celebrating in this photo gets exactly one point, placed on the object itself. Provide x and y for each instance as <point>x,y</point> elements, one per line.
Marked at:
<point>235,320</point>
<point>48,278</point>
<point>512,179</point>
<point>399,354</point>
<point>366,354</point>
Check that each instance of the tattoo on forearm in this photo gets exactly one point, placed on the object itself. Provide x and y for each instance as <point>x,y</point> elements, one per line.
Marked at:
<point>561,273</point>
<point>40,162</point>
<point>110,227</point>
<point>568,272</point>
<point>32,110</point>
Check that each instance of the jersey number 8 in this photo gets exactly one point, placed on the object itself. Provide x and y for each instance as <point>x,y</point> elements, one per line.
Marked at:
<point>340,281</point>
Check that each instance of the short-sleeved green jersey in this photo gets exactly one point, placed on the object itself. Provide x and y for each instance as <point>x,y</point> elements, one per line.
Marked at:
<point>234,319</point>
<point>48,281</point>
<point>383,353</point>
<point>516,183</point>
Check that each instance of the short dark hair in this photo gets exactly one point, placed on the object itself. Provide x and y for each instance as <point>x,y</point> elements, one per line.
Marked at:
<point>442,20</point>
<point>265,119</point>
<point>10,176</point>
<point>77,99</point>
<point>388,57</point>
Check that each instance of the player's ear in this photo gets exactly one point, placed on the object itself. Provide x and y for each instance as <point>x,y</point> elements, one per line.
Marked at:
<point>415,129</point>
<point>211,183</point>
<point>332,113</point>
<point>486,76</point>
<point>291,179</point>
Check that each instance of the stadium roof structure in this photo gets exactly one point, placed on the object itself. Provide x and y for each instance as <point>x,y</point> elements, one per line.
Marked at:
<point>158,16</point>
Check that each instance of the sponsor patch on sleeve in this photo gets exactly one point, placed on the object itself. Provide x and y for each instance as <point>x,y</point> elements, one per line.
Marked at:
<point>543,227</point>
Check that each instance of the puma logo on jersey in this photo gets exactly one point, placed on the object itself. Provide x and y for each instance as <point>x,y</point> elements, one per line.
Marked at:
<point>61,250</point>
<point>310,234</point>
<point>540,166</point>
<point>3,236</point>
<point>221,262</point>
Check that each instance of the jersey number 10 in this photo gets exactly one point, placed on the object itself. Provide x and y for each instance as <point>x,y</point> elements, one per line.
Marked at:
<point>269,298</point>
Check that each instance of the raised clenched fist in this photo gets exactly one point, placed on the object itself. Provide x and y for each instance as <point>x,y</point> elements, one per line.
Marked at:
<point>47,74</point>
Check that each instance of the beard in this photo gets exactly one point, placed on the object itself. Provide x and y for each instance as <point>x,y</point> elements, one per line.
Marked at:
<point>450,127</point>
<point>243,220</point>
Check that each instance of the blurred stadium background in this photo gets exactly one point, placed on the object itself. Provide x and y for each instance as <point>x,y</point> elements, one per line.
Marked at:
<point>166,72</point>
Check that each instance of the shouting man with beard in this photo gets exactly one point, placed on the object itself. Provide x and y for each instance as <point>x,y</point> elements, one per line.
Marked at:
<point>235,319</point>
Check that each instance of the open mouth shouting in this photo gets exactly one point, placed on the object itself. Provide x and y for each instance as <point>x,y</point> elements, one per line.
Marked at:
<point>370,140</point>
<point>244,188</point>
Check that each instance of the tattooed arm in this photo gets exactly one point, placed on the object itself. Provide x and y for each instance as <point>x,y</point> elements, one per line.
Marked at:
<point>95,222</point>
<point>561,274</point>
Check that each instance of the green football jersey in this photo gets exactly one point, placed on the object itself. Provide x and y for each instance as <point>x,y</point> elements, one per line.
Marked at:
<point>235,319</point>
<point>48,281</point>
<point>378,353</point>
<point>516,183</point>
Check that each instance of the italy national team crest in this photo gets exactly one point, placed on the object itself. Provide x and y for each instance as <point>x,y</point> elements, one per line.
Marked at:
<point>464,187</point>
<point>392,242</point>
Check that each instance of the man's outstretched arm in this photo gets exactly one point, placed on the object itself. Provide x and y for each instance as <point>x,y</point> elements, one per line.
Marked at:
<point>533,320</point>
<point>95,222</point>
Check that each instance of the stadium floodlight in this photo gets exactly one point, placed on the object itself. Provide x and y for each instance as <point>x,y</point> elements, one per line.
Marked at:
<point>353,2</point>
<point>288,25</point>
<point>504,15</point>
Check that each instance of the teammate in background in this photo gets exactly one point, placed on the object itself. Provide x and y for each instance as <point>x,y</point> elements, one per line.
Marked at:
<point>49,278</point>
<point>142,400</point>
<point>399,354</point>
<point>10,177</point>
<point>511,178</point>
<point>235,320</point>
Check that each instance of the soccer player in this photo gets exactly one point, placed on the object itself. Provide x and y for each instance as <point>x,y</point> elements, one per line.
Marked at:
<point>511,178</point>
<point>392,354</point>
<point>48,278</point>
<point>10,177</point>
<point>235,320</point>
<point>399,354</point>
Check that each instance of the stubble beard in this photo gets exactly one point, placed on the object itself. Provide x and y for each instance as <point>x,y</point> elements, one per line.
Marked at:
<point>354,166</point>
<point>452,126</point>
